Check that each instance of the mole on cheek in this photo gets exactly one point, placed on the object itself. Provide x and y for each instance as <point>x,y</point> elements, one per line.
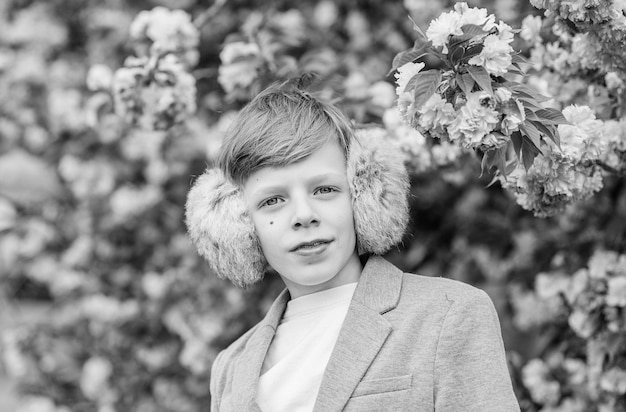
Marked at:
<point>271,222</point>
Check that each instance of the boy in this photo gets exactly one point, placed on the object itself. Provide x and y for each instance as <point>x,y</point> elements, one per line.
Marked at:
<point>296,190</point>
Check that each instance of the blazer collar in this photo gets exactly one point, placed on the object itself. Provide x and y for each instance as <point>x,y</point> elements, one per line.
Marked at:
<point>362,335</point>
<point>379,285</point>
<point>248,368</point>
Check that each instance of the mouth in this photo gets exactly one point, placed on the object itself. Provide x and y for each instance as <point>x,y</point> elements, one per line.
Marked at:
<point>310,245</point>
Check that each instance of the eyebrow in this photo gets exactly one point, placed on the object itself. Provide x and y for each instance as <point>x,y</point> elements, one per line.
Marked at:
<point>314,180</point>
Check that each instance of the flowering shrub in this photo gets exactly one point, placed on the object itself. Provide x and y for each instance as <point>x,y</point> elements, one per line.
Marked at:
<point>472,98</point>
<point>91,206</point>
<point>587,371</point>
<point>155,90</point>
<point>155,93</point>
<point>160,31</point>
<point>599,28</point>
<point>562,174</point>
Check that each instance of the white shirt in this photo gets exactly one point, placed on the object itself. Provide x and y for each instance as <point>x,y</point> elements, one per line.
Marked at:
<point>297,357</point>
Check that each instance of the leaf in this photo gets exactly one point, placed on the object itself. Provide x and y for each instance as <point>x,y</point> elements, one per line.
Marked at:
<point>516,58</point>
<point>510,77</point>
<point>530,115</point>
<point>426,83</point>
<point>529,103</point>
<point>530,131</point>
<point>516,138</point>
<point>469,81</point>
<point>515,70</point>
<point>548,131</point>
<point>494,158</point>
<point>510,166</point>
<point>492,182</point>
<point>529,152</point>
<point>455,41</point>
<point>473,29</point>
<point>401,58</point>
<point>552,116</point>
<point>465,82</point>
<point>480,75</point>
<point>486,162</point>
<point>410,85</point>
<point>528,158</point>
<point>405,57</point>
<point>455,55</point>
<point>528,91</point>
<point>420,33</point>
<point>501,159</point>
<point>514,107</point>
<point>473,50</point>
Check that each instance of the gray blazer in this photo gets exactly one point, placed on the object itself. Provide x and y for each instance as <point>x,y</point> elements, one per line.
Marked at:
<point>408,343</point>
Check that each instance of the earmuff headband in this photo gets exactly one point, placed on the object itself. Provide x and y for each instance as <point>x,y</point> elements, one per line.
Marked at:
<point>221,229</point>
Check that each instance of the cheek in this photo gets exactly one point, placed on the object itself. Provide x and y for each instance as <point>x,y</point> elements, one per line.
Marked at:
<point>265,229</point>
<point>344,217</point>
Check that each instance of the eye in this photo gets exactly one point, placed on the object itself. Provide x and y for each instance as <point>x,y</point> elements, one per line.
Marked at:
<point>270,202</point>
<point>325,190</point>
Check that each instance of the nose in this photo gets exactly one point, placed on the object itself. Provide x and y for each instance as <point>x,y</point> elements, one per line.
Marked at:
<point>304,213</point>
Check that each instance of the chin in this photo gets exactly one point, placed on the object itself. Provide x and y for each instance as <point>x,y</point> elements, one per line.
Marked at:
<point>314,274</point>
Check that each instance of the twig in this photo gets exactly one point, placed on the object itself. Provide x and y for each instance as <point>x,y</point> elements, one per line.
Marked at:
<point>204,73</point>
<point>208,14</point>
<point>611,169</point>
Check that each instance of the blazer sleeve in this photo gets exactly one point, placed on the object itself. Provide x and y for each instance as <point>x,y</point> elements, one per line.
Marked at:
<point>214,382</point>
<point>471,372</point>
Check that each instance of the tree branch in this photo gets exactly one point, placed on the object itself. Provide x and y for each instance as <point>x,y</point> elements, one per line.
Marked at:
<point>208,14</point>
<point>611,169</point>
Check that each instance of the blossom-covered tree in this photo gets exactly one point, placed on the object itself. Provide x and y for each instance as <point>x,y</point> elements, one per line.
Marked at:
<point>510,115</point>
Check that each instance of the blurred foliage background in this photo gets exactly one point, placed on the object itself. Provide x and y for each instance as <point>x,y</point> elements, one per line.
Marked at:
<point>105,305</point>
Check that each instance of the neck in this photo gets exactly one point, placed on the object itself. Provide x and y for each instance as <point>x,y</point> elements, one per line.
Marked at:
<point>349,273</point>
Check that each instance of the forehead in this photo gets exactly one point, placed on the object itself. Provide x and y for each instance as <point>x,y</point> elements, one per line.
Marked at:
<point>326,163</point>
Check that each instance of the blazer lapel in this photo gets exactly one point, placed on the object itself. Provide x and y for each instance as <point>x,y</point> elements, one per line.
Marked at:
<point>248,368</point>
<point>363,333</point>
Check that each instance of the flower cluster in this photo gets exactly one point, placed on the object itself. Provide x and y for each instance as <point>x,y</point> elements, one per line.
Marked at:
<point>240,66</point>
<point>160,31</point>
<point>597,296</point>
<point>547,381</point>
<point>267,48</point>
<point>563,174</point>
<point>598,27</point>
<point>155,92</point>
<point>615,132</point>
<point>421,154</point>
<point>573,54</point>
<point>593,304</point>
<point>472,99</point>
<point>155,89</point>
<point>459,105</point>
<point>590,11</point>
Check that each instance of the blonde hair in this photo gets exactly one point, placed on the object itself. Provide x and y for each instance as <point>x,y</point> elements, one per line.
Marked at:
<point>280,126</point>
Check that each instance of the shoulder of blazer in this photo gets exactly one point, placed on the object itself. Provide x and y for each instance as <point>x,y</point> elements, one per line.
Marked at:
<point>431,292</point>
<point>271,319</point>
<point>453,288</point>
<point>239,344</point>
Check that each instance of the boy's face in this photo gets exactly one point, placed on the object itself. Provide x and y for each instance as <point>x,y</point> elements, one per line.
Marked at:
<point>302,214</point>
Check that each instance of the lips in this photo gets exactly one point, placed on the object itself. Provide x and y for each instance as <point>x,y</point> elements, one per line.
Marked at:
<point>310,245</point>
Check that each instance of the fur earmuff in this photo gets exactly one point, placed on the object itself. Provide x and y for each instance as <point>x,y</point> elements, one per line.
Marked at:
<point>222,231</point>
<point>379,184</point>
